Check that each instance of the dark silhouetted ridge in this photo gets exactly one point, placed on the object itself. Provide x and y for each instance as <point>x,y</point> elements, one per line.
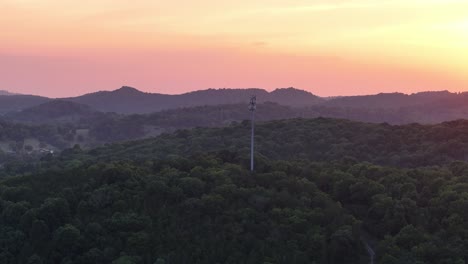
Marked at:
<point>129,100</point>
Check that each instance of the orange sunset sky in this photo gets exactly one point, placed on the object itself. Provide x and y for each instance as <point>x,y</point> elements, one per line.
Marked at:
<point>329,47</point>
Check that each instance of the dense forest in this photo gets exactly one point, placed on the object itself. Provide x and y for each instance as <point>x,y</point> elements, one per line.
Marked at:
<point>323,191</point>
<point>320,139</point>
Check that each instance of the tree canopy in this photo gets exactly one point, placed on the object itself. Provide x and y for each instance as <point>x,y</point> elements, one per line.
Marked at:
<point>322,191</point>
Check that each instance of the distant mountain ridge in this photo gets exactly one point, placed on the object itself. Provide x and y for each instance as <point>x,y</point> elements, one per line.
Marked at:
<point>129,100</point>
<point>439,105</point>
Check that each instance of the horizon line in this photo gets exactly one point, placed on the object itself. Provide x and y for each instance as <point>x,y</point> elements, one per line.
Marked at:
<point>13,93</point>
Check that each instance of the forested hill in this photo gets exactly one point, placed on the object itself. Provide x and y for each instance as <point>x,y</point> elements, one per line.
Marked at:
<point>188,197</point>
<point>319,139</point>
<point>312,139</point>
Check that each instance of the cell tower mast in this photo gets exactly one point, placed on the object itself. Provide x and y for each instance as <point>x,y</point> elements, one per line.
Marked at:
<point>252,108</point>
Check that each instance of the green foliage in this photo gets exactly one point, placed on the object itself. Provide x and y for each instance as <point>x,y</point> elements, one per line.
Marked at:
<point>206,211</point>
<point>301,139</point>
<point>321,188</point>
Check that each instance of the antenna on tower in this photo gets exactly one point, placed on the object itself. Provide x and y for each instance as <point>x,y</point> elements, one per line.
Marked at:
<point>252,108</point>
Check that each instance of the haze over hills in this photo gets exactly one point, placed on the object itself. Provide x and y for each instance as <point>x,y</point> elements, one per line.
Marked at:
<point>395,108</point>
<point>61,124</point>
<point>13,103</point>
<point>53,111</point>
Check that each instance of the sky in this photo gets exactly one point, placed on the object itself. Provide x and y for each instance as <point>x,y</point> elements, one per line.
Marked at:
<point>62,48</point>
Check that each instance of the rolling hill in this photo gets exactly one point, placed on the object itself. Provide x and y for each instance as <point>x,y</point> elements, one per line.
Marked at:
<point>315,140</point>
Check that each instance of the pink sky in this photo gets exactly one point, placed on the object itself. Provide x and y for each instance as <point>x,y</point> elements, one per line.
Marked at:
<point>66,48</point>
